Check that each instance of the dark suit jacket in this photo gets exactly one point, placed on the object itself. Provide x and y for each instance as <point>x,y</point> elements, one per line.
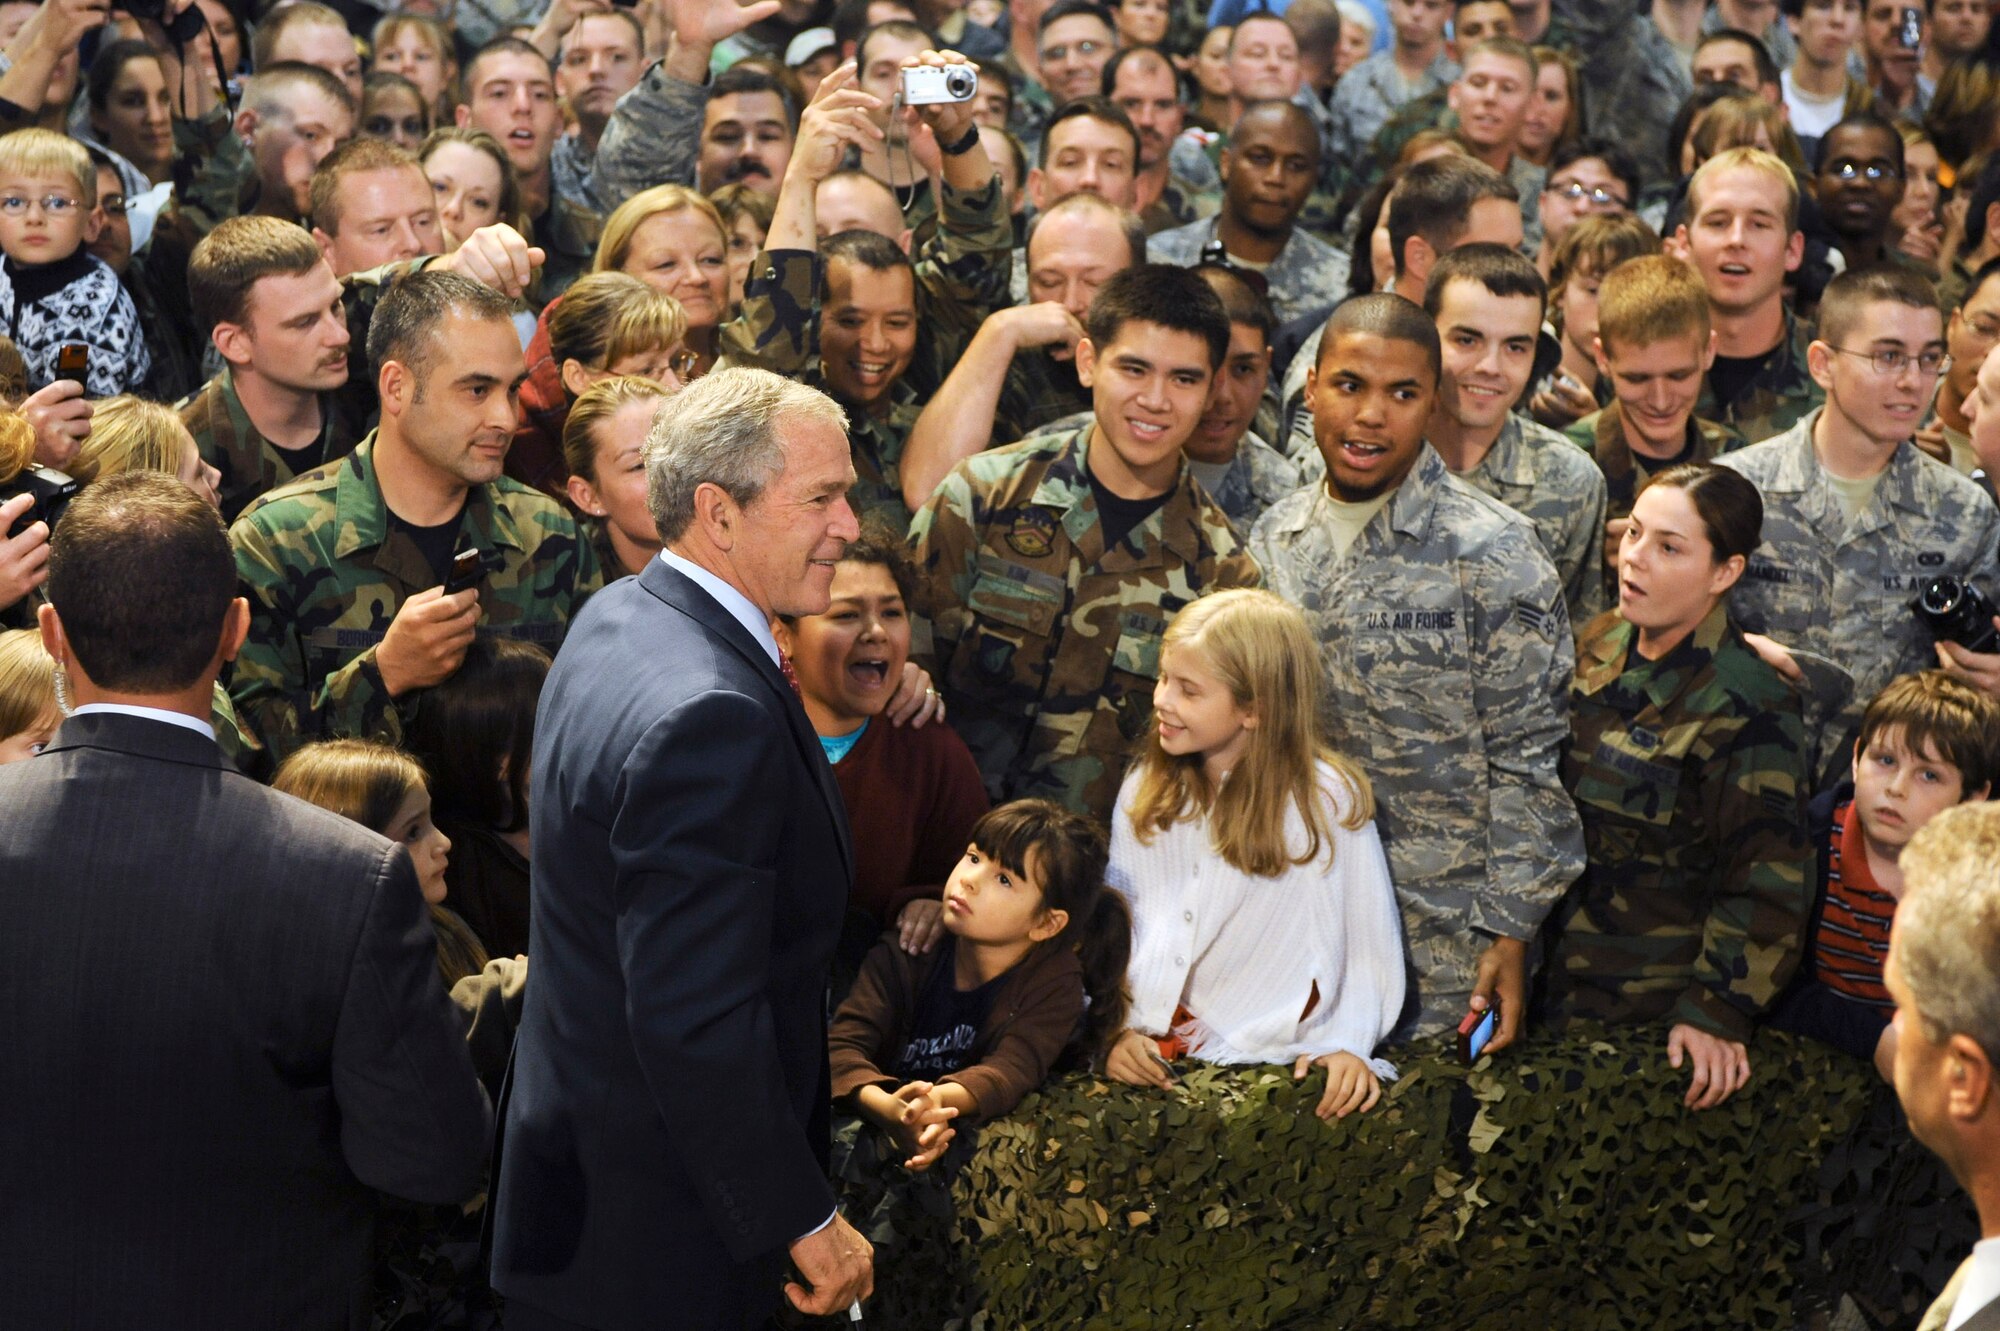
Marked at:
<point>665,1123</point>
<point>221,1025</point>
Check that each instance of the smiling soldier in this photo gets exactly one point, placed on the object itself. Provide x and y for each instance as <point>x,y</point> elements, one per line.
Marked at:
<point>1047,570</point>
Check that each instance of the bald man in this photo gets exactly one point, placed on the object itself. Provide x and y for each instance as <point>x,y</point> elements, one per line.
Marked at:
<point>1268,172</point>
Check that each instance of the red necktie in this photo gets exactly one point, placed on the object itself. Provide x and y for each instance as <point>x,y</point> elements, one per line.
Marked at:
<point>791,675</point>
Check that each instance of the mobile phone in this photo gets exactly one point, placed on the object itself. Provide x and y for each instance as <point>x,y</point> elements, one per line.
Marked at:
<point>1474,1033</point>
<point>73,362</point>
<point>1910,32</point>
<point>466,566</point>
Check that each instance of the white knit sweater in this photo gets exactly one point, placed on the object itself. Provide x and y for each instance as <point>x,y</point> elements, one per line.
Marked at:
<point>1244,953</point>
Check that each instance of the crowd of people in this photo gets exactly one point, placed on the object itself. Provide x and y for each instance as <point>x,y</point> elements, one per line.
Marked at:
<point>1323,524</point>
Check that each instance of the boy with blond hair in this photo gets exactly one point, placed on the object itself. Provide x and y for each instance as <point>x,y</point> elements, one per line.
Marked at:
<point>1654,344</point>
<point>1927,742</point>
<point>52,291</point>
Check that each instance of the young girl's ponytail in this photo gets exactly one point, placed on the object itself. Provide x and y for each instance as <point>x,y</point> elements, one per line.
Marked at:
<point>1104,946</point>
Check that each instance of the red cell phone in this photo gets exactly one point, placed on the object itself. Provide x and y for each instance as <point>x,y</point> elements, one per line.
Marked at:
<point>1474,1033</point>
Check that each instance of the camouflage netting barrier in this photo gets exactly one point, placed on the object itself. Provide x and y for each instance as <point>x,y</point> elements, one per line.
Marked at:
<point>1562,1183</point>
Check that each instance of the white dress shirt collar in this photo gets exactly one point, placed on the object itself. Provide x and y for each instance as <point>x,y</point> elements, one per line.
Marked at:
<point>736,603</point>
<point>1982,1283</point>
<point>202,728</point>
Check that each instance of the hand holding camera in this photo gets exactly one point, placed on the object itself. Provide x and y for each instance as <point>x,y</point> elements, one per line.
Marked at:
<point>1965,626</point>
<point>937,88</point>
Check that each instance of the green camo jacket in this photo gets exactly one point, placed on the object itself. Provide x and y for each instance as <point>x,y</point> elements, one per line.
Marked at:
<point>325,576</point>
<point>1690,775</point>
<point>1045,644</point>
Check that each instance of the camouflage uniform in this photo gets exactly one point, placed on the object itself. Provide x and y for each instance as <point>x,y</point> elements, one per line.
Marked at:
<point>1368,96</point>
<point>214,177</point>
<point>1690,775</point>
<point>1308,277</point>
<point>1527,180</point>
<point>1028,120</point>
<point>1180,202</point>
<point>1602,435</point>
<point>1448,661</point>
<point>567,234</point>
<point>250,464</point>
<point>325,575</point>
<point>1038,391</point>
<point>1633,80</point>
<point>654,138</point>
<point>1550,482</point>
<point>1045,644</point>
<point>1843,590</point>
<point>1780,393</point>
<point>1256,478</point>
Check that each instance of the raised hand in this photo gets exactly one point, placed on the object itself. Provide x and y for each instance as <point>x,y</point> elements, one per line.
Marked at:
<point>836,120</point>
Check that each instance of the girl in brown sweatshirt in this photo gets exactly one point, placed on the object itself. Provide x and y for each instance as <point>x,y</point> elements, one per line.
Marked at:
<point>1032,961</point>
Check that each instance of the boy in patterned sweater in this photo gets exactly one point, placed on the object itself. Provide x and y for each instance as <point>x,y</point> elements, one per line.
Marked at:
<point>1927,742</point>
<point>52,291</point>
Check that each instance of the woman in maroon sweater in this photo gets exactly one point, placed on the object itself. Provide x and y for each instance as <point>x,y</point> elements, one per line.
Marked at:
<point>912,794</point>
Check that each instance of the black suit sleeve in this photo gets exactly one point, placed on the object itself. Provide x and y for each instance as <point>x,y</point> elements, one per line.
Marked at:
<point>698,841</point>
<point>413,1117</point>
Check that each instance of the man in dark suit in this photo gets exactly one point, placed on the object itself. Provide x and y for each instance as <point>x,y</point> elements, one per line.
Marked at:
<point>1944,973</point>
<point>223,1021</point>
<point>664,1137</point>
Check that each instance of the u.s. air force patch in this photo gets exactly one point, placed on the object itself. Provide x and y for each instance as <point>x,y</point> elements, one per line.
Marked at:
<point>1033,535</point>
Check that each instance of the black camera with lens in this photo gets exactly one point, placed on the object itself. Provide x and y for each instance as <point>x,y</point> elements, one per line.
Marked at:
<point>52,490</point>
<point>1956,611</point>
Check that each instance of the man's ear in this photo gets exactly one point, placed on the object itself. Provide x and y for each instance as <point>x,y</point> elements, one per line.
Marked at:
<point>325,243</point>
<point>1970,1087</point>
<point>1086,362</point>
<point>232,342</point>
<point>246,125</point>
<point>235,628</point>
<point>1036,184</point>
<point>396,386</point>
<point>463,116</point>
<point>1795,251</point>
<point>53,641</point>
<point>1418,258</point>
<point>1819,363</point>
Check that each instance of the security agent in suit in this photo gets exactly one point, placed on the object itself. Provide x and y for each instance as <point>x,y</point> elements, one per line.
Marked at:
<point>224,1025</point>
<point>665,1123</point>
<point>1942,973</point>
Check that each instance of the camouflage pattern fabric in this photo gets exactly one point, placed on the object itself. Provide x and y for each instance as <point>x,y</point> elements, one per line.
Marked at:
<point>1033,105</point>
<point>1377,155</point>
<point>1779,394</point>
<point>1045,644</point>
<point>1633,80</point>
<point>1308,277</point>
<point>1690,776</point>
<point>1368,96</point>
<point>250,464</point>
<point>1550,482</point>
<point>654,138</point>
<point>325,575</point>
<point>1039,390</point>
<point>1559,1184</point>
<point>214,177</point>
<point>1602,435</point>
<point>1256,478</point>
<point>1528,180</point>
<point>1448,662</point>
<point>1180,202</point>
<point>567,233</point>
<point>1843,589</point>
<point>1952,285</point>
<point>964,271</point>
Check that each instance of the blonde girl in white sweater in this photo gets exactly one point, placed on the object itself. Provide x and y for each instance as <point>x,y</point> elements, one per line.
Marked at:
<point>1265,929</point>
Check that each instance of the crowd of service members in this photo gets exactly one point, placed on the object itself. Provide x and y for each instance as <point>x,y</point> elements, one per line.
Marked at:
<point>1369,514</point>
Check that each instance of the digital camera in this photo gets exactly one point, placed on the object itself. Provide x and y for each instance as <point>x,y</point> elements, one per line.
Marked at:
<point>52,490</point>
<point>929,85</point>
<point>1956,611</point>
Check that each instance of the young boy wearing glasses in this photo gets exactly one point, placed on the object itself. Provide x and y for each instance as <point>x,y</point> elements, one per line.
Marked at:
<point>1857,518</point>
<point>52,291</point>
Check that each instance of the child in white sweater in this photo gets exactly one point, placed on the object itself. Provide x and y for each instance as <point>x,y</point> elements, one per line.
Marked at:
<point>1265,929</point>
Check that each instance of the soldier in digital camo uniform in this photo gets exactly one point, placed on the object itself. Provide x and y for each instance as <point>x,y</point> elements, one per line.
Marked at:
<point>347,625</point>
<point>1047,570</point>
<point>1448,659</point>
<point>1856,518</point>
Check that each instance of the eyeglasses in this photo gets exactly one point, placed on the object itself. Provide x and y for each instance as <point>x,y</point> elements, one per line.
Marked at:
<point>55,205</point>
<point>1890,362</point>
<point>112,205</point>
<point>1083,49</point>
<point>1873,173</point>
<point>1576,192</point>
<point>684,364</point>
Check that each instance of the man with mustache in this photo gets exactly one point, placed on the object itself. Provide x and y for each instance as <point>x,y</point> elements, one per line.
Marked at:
<point>747,132</point>
<point>1143,84</point>
<point>344,566</point>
